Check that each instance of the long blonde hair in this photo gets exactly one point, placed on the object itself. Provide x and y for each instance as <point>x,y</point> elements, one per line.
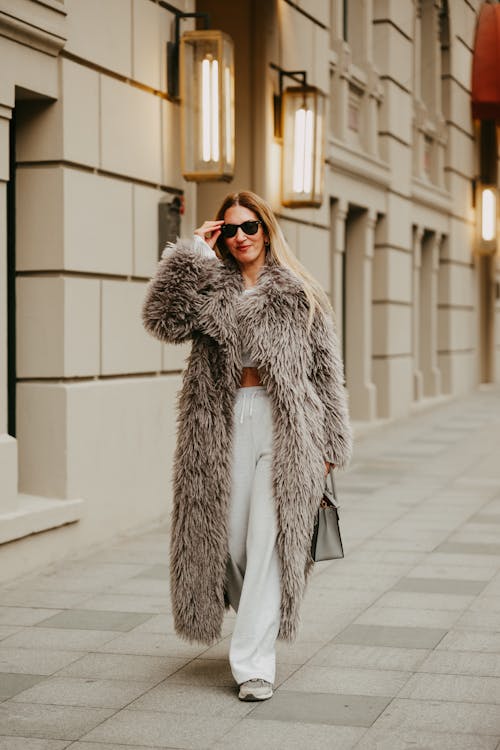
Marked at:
<point>278,252</point>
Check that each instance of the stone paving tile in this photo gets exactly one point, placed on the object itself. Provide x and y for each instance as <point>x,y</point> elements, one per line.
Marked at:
<point>49,722</point>
<point>82,619</point>
<point>164,625</point>
<point>44,599</point>
<point>346,680</point>
<point>375,739</point>
<point>322,708</point>
<point>478,574</point>
<point>154,587</point>
<point>129,554</point>
<point>409,538</point>
<point>154,727</point>
<point>192,699</point>
<point>440,716</point>
<point>349,582</point>
<point>446,687</point>
<point>410,600</point>
<point>106,746</point>
<point>73,585</point>
<point>315,630</point>
<point>296,653</point>
<point>369,657</point>
<point>403,637</point>
<point>152,669</point>
<point>287,735</point>
<point>12,684</point>
<point>408,617</point>
<point>462,563</point>
<point>365,554</point>
<point>478,621</point>
<point>217,673</point>
<point>85,571</point>
<point>34,661</point>
<point>73,691</point>
<point>436,585</point>
<point>6,631</point>
<point>157,624</point>
<point>462,662</point>
<point>29,743</point>
<point>154,644</point>
<point>420,546</point>
<point>59,639</point>
<point>373,570</point>
<point>24,616</point>
<point>486,604</point>
<point>471,640</point>
<point>160,572</point>
<point>324,593</point>
<point>127,603</point>
<point>464,548</point>
<point>493,588</point>
<point>483,517</point>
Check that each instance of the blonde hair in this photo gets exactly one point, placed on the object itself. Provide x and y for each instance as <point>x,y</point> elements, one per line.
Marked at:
<point>278,251</point>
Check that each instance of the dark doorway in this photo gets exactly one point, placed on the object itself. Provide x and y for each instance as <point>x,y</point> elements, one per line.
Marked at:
<point>11,281</point>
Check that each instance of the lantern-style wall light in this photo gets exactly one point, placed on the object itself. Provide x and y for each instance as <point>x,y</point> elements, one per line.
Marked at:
<point>300,121</point>
<point>485,193</point>
<point>201,73</point>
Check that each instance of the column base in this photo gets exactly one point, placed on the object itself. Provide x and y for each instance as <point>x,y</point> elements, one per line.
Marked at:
<point>34,514</point>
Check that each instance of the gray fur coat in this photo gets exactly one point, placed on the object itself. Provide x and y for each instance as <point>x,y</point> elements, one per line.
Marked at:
<point>199,298</point>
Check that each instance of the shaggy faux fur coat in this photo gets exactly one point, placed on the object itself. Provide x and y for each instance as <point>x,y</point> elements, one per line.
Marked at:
<point>199,298</point>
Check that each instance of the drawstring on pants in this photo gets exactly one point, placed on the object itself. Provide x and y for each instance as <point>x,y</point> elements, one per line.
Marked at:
<point>245,397</point>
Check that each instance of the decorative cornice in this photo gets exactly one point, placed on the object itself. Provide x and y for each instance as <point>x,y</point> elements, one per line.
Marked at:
<point>45,29</point>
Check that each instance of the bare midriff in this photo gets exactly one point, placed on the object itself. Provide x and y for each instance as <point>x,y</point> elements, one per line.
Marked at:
<point>249,377</point>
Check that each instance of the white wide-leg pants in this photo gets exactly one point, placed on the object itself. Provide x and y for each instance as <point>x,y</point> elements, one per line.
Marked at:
<point>253,574</point>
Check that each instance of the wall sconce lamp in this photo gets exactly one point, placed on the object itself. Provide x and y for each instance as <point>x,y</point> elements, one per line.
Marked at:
<point>486,201</point>
<point>200,68</point>
<point>485,188</point>
<point>300,122</point>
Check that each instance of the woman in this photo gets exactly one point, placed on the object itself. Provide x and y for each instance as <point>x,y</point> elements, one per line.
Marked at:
<point>262,417</point>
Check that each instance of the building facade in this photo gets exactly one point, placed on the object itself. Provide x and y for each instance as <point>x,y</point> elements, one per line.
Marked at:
<point>90,182</point>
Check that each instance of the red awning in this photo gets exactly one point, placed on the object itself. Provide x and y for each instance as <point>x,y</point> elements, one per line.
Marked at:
<point>486,65</point>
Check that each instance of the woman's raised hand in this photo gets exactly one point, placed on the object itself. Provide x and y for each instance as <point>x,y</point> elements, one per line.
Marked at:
<point>209,232</point>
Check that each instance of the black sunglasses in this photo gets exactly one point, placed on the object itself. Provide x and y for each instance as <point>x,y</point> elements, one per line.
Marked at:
<point>248,227</point>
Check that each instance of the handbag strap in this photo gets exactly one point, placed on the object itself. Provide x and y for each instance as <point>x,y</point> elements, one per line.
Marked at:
<point>330,490</point>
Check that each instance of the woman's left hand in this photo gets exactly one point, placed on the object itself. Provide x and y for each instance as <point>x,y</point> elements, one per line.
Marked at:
<point>328,467</point>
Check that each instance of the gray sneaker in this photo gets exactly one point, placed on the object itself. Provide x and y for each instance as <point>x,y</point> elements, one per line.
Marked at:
<point>255,690</point>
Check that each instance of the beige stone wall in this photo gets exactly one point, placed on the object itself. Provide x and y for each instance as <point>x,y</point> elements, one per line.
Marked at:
<point>97,149</point>
<point>97,143</point>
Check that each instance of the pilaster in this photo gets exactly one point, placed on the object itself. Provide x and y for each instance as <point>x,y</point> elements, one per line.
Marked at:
<point>358,327</point>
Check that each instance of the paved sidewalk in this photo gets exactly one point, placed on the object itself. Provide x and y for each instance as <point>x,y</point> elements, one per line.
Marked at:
<point>399,646</point>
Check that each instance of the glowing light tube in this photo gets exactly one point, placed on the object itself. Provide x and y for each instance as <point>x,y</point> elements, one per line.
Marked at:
<point>210,109</point>
<point>215,110</point>
<point>303,151</point>
<point>205,108</point>
<point>488,215</point>
<point>228,111</point>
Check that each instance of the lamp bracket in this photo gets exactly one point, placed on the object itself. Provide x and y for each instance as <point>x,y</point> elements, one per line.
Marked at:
<point>299,76</point>
<point>173,47</point>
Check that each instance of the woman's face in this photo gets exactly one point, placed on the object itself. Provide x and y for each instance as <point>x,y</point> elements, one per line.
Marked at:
<point>245,248</point>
